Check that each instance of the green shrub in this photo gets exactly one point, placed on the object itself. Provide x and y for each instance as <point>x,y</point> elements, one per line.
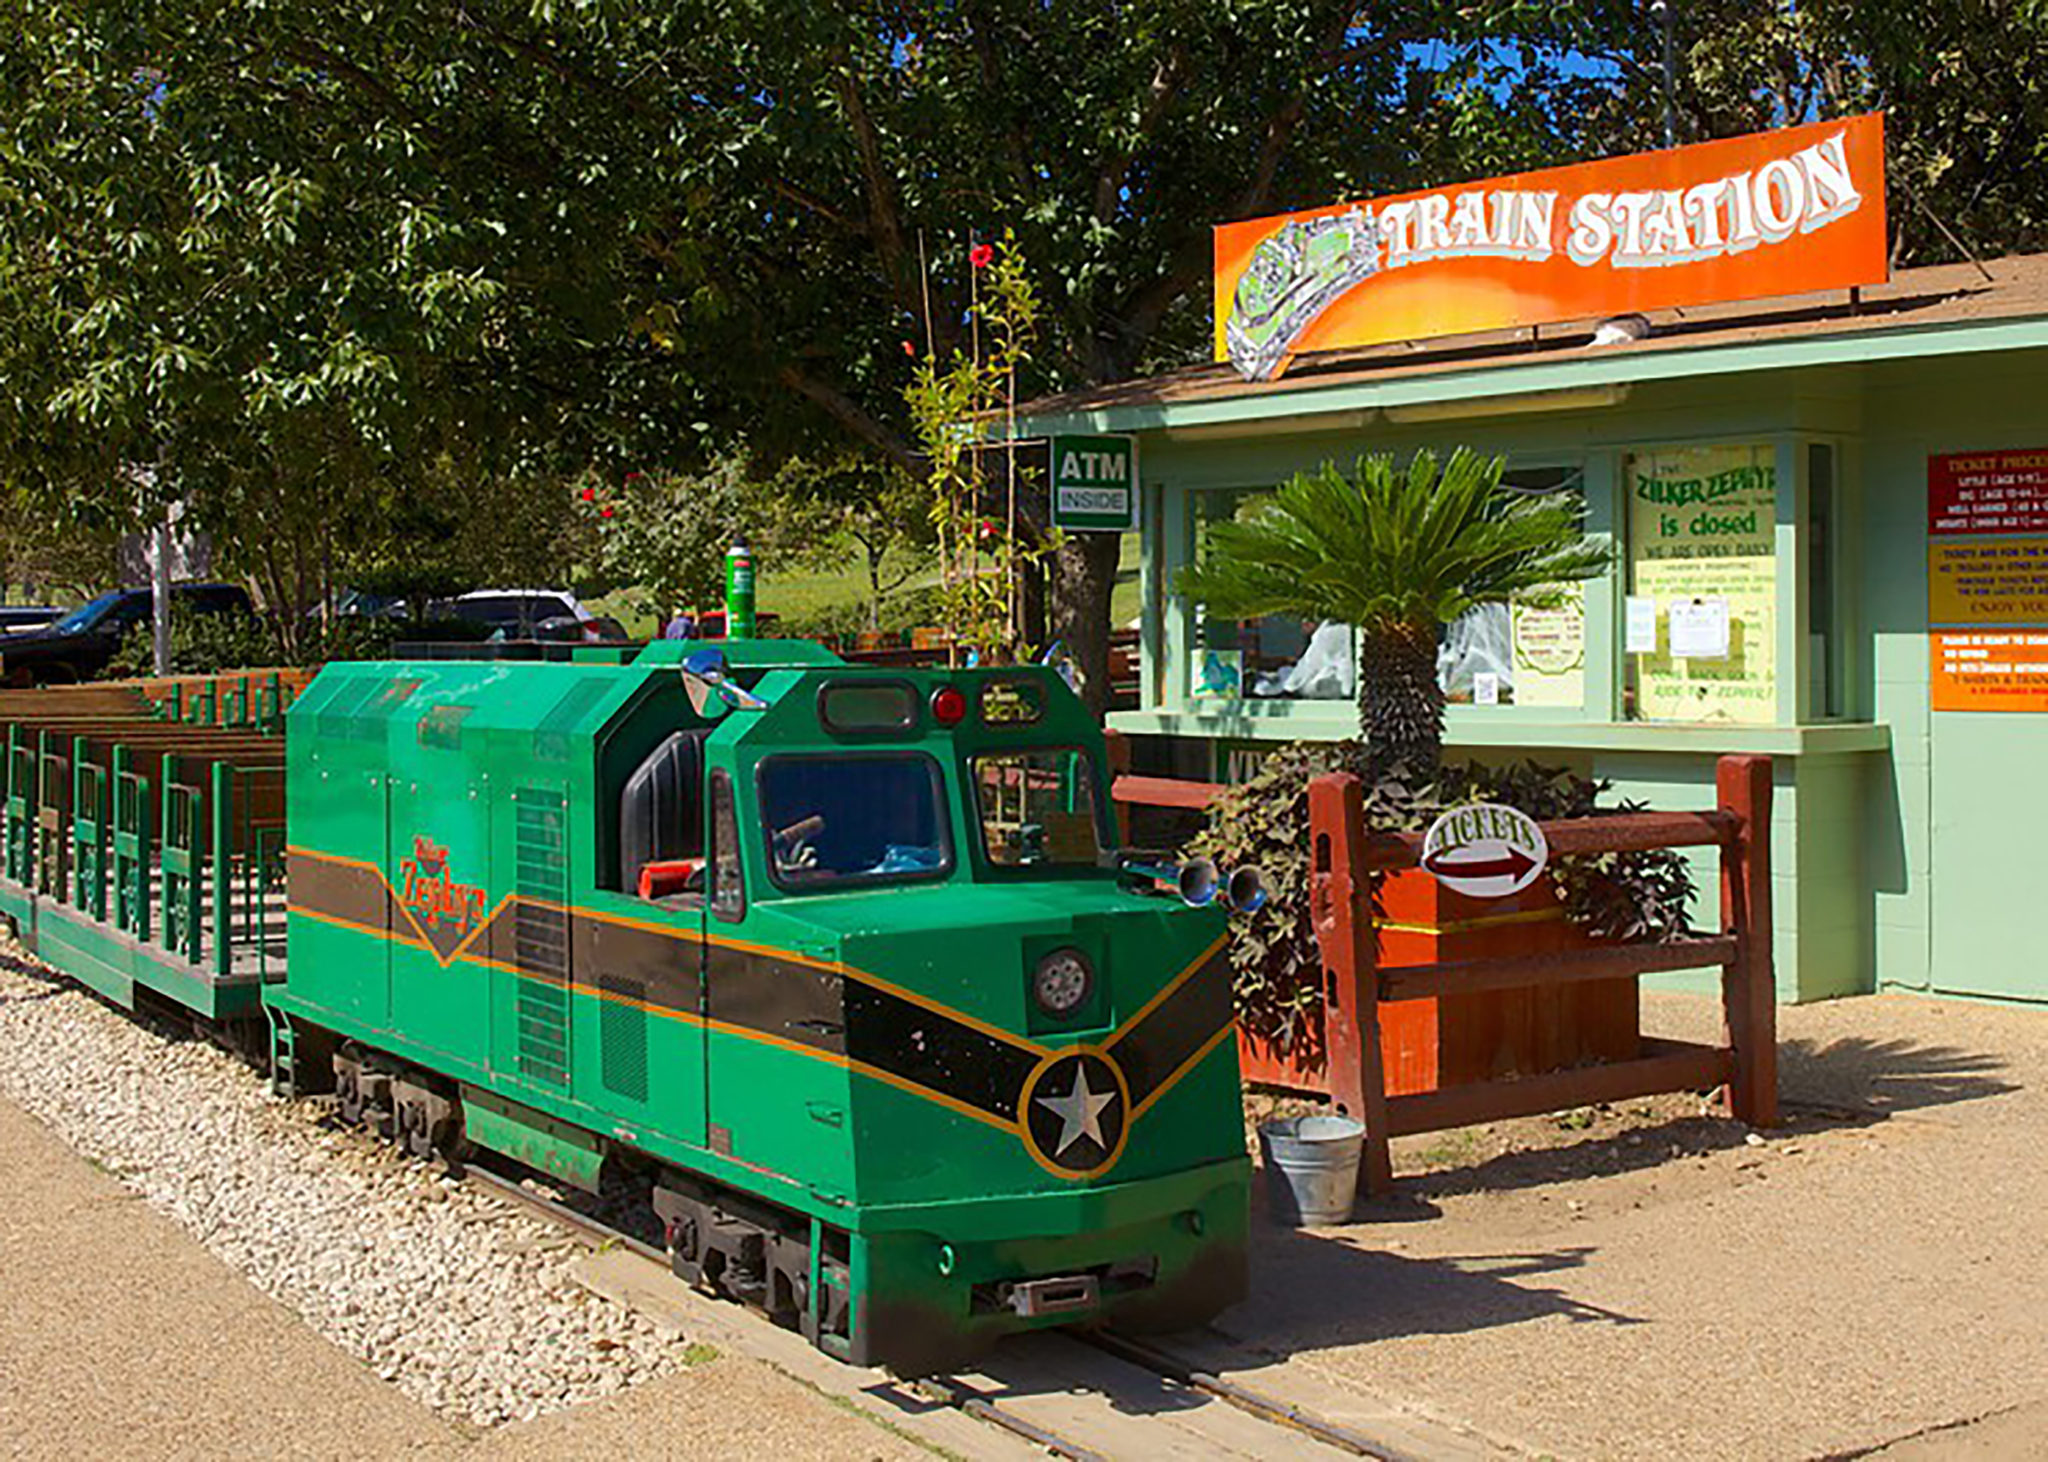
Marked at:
<point>203,644</point>
<point>1264,822</point>
<point>200,645</point>
<point>359,637</point>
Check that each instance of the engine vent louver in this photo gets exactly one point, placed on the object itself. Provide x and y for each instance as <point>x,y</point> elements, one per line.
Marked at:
<point>540,934</point>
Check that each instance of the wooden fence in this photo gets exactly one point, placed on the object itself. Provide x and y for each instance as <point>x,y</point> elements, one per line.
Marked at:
<point>1347,859</point>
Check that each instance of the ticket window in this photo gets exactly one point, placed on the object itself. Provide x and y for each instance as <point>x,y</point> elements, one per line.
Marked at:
<point>1700,619</point>
<point>1700,622</point>
<point>1277,657</point>
<point>1494,655</point>
<point>1521,654</point>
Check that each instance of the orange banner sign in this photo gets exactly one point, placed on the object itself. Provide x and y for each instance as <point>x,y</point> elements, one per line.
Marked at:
<point>1996,670</point>
<point>1774,213</point>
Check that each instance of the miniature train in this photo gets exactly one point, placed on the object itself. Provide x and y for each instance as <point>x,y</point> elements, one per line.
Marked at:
<point>842,956</point>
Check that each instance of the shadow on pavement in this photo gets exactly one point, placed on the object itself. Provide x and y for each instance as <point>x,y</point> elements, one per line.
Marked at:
<point>1845,1083</point>
<point>1311,1291</point>
<point>1862,1077</point>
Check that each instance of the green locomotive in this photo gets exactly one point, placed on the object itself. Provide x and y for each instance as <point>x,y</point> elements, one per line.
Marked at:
<point>841,955</point>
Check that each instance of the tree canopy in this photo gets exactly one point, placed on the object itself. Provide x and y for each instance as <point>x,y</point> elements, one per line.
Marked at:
<point>310,264</point>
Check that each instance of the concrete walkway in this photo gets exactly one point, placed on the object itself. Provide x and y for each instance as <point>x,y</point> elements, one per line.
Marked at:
<point>120,1336</point>
<point>1647,1283</point>
<point>1643,1282</point>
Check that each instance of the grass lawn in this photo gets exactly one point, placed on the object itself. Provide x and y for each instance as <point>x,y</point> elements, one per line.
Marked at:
<point>806,591</point>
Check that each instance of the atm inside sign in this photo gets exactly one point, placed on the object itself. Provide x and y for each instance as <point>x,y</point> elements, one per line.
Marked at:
<point>1095,484</point>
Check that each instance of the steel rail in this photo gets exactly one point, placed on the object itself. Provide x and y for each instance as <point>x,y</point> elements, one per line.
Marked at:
<point>949,1392</point>
<point>1244,1398</point>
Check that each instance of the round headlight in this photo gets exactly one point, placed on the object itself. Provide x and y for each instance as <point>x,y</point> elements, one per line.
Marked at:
<point>1062,981</point>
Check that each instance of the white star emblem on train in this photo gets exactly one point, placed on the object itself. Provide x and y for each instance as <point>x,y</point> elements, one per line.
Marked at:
<point>1080,1112</point>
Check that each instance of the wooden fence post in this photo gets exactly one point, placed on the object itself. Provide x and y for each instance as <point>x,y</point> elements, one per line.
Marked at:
<point>1117,751</point>
<point>1341,907</point>
<point>1749,995</point>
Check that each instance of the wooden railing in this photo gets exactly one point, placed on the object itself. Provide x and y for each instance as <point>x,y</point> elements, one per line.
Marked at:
<point>1346,858</point>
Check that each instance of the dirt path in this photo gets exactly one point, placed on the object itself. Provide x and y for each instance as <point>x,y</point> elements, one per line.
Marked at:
<point>1645,1282</point>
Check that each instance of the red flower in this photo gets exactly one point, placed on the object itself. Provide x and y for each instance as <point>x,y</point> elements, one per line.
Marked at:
<point>982,255</point>
<point>606,513</point>
<point>590,494</point>
<point>909,349</point>
<point>633,476</point>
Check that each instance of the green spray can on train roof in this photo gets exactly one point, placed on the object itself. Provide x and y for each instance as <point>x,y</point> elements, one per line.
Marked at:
<point>739,591</point>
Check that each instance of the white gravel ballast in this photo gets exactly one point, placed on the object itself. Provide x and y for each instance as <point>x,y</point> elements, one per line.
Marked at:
<point>457,1299</point>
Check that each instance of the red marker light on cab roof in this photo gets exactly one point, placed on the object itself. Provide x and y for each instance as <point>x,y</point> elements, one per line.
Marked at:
<point>949,707</point>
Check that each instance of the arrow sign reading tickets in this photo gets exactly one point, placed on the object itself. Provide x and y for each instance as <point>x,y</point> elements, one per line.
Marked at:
<point>1485,850</point>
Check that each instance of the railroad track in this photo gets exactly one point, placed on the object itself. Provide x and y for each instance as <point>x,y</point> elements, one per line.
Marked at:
<point>1086,1397</point>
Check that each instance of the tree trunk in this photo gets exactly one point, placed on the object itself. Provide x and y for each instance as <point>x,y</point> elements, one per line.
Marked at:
<point>1033,590</point>
<point>1084,578</point>
<point>1400,703</point>
<point>874,563</point>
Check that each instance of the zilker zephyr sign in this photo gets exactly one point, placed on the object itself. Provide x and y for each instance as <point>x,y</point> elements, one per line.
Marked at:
<point>1775,213</point>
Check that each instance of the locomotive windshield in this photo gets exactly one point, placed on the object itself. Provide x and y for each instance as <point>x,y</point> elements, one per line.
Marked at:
<point>854,818</point>
<point>1037,808</point>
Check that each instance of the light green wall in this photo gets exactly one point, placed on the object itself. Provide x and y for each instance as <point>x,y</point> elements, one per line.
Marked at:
<point>1901,842</point>
<point>1955,861</point>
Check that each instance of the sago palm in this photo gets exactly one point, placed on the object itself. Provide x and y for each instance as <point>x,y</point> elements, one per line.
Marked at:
<point>1399,554</point>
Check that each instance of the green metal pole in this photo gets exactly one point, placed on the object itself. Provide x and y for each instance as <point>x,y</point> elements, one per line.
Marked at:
<point>35,810</point>
<point>222,864</point>
<point>143,853</point>
<point>7,802</point>
<point>81,854</point>
<point>124,905</point>
<point>169,772</point>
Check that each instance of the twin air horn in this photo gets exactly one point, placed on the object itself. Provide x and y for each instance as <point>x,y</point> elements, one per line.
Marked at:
<point>1197,881</point>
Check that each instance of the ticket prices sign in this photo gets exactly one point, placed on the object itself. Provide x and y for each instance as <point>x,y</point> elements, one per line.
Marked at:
<point>1095,483</point>
<point>1773,213</point>
<point>1990,670</point>
<point>1997,581</point>
<point>1988,492</point>
<point>1702,551</point>
<point>1987,581</point>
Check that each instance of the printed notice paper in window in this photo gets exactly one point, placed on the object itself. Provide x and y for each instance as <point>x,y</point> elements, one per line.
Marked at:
<point>1702,537</point>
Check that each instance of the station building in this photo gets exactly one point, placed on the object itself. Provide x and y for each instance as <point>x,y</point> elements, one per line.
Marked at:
<point>1829,514</point>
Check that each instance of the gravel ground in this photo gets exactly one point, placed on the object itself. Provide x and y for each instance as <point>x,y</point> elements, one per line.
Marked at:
<point>463,1304</point>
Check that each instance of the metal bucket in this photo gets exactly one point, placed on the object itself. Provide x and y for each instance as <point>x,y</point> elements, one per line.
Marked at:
<point>1311,1168</point>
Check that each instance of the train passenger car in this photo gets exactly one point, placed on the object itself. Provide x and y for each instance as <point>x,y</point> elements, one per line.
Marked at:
<point>842,954</point>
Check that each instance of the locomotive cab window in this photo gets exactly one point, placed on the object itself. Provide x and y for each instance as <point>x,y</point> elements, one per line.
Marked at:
<point>835,821</point>
<point>728,879</point>
<point>1037,808</point>
<point>867,707</point>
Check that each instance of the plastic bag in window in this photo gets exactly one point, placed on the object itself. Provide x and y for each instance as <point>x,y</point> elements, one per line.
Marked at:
<point>1325,671</point>
<point>1478,641</point>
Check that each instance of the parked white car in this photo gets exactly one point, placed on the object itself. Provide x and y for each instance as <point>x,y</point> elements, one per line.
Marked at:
<point>528,614</point>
